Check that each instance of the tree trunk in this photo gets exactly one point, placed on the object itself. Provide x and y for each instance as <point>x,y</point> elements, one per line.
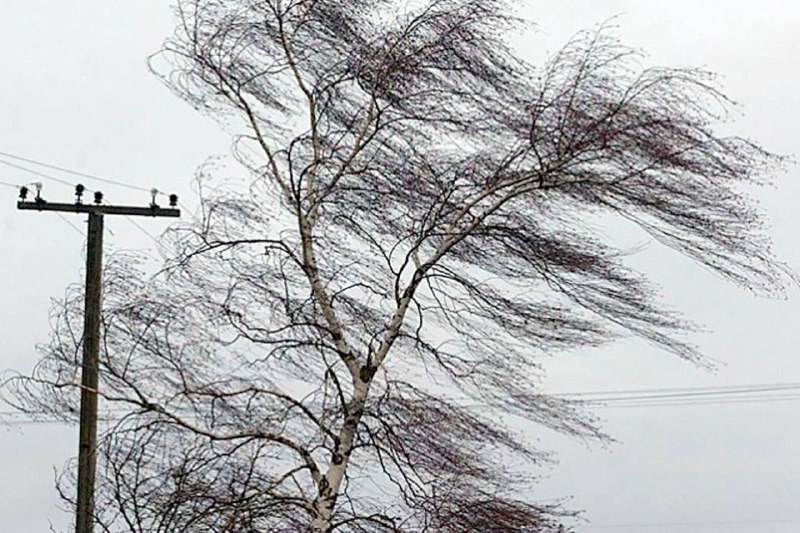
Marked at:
<point>331,483</point>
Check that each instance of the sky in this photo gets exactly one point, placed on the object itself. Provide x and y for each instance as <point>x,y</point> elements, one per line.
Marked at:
<point>76,92</point>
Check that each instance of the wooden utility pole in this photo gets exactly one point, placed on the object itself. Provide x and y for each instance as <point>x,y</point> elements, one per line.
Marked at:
<point>87,450</point>
<point>87,442</point>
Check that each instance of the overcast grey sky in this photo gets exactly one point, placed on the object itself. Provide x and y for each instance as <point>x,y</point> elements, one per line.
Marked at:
<point>75,91</point>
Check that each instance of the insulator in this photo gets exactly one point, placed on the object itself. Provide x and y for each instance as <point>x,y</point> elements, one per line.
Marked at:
<point>23,193</point>
<point>173,200</point>
<point>98,197</point>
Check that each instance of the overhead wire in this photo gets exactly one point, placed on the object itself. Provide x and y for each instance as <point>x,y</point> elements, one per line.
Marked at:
<point>37,173</point>
<point>595,399</point>
<point>76,228</point>
<point>699,394</point>
<point>7,184</point>
<point>723,394</point>
<point>728,401</point>
<point>83,175</point>
<point>677,389</point>
<point>55,179</point>
<point>76,172</point>
<point>64,182</point>
<point>159,246</point>
<point>686,396</point>
<point>62,217</point>
<point>690,524</point>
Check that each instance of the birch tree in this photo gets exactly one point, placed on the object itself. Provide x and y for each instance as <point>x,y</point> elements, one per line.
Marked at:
<point>335,344</point>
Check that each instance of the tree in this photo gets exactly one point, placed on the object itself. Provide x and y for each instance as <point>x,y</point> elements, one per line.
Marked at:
<point>332,345</point>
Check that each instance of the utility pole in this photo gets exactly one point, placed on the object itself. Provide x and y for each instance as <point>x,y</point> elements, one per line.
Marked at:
<point>87,450</point>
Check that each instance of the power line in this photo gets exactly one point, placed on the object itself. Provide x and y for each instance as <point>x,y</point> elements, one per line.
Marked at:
<point>49,421</point>
<point>697,393</point>
<point>494,408</point>
<point>722,398</point>
<point>37,173</point>
<point>140,228</point>
<point>76,173</point>
<point>7,184</point>
<point>80,174</point>
<point>769,399</point>
<point>692,395</point>
<point>155,240</point>
<point>693,524</point>
<point>64,182</point>
<point>677,389</point>
<point>76,228</point>
<point>48,176</point>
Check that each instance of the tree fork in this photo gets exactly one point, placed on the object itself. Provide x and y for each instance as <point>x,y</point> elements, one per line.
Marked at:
<point>330,485</point>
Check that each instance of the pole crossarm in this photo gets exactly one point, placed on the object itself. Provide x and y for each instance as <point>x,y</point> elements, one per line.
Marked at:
<point>99,209</point>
